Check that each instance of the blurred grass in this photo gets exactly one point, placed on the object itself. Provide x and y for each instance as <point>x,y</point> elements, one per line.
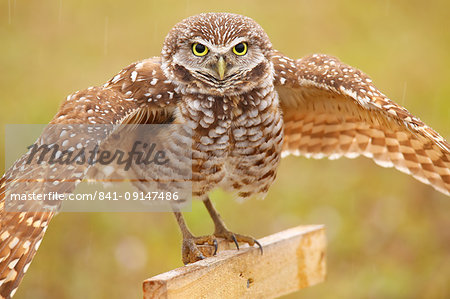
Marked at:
<point>389,235</point>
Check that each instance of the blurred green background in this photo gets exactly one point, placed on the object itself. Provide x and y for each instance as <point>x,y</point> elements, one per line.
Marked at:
<point>389,235</point>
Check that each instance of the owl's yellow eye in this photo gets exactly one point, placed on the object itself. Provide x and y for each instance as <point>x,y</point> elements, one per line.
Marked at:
<point>199,49</point>
<point>240,49</point>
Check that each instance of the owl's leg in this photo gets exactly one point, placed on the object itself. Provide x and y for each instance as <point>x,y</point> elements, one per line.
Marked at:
<point>221,231</point>
<point>190,250</point>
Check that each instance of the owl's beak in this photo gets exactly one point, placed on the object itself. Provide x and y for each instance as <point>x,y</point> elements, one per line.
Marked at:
<point>221,67</point>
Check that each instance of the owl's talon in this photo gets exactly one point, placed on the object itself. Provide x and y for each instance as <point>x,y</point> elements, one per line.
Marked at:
<point>236,238</point>
<point>259,245</point>
<point>235,241</point>
<point>215,246</point>
<point>190,251</point>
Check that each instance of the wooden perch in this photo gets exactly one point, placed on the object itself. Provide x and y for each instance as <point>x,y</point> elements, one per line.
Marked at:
<point>293,259</point>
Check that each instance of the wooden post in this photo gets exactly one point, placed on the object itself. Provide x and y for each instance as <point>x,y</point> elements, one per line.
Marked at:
<point>293,259</point>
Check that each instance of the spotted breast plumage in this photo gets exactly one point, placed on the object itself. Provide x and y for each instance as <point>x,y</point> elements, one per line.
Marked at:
<point>247,105</point>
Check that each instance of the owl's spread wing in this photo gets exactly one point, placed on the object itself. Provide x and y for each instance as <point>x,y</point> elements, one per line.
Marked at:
<point>333,110</point>
<point>140,93</point>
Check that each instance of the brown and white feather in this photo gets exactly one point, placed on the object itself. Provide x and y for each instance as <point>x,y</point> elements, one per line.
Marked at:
<point>139,93</point>
<point>332,110</point>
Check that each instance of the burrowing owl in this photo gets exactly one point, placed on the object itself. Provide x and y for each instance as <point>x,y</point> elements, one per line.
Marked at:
<point>248,105</point>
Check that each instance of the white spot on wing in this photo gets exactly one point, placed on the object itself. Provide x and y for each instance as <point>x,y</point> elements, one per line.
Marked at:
<point>133,76</point>
<point>13,263</point>
<point>13,243</point>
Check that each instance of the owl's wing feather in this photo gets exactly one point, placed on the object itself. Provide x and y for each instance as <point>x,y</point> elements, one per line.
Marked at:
<point>333,110</point>
<point>140,93</point>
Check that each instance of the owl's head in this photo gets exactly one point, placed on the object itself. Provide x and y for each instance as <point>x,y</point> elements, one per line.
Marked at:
<point>217,54</point>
